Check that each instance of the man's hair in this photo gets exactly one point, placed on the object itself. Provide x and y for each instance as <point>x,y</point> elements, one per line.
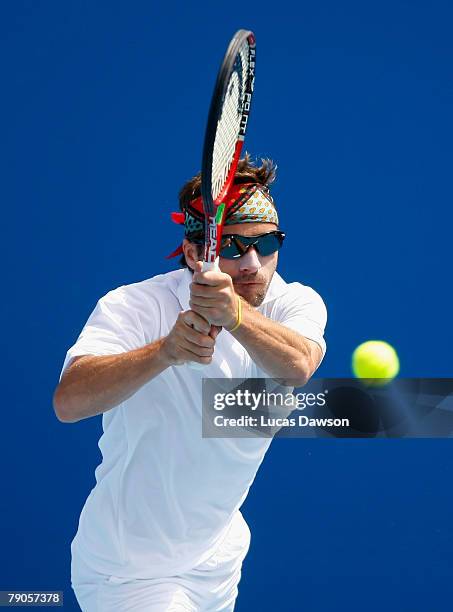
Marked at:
<point>246,172</point>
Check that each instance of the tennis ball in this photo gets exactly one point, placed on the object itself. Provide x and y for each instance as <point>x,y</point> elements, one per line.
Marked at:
<point>375,359</point>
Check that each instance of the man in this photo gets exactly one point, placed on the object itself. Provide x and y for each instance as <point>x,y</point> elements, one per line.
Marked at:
<point>162,530</point>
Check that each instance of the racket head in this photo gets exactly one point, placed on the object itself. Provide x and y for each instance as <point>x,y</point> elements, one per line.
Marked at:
<point>225,133</point>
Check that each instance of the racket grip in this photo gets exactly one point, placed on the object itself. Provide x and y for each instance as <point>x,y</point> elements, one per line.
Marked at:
<point>207,266</point>
<point>210,265</point>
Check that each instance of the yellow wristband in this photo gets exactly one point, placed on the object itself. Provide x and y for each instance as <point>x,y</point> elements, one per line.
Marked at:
<point>239,319</point>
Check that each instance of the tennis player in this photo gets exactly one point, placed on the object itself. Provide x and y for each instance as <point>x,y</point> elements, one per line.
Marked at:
<point>162,529</point>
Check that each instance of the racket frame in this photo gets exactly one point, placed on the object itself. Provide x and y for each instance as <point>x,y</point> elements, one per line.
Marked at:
<point>213,213</point>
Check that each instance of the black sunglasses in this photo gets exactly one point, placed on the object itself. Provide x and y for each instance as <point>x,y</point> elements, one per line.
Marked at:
<point>235,245</point>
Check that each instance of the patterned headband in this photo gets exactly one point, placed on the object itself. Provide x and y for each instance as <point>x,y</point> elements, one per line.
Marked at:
<point>247,203</point>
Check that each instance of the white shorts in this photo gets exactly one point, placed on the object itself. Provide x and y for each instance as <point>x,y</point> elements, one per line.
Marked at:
<point>209,587</point>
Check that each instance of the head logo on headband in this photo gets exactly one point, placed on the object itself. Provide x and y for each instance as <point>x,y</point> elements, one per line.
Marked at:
<point>247,203</point>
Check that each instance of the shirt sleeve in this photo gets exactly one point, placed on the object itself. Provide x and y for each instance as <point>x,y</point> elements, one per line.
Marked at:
<point>112,328</point>
<point>303,310</point>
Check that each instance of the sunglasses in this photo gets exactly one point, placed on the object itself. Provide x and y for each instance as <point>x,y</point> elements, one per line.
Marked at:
<point>234,246</point>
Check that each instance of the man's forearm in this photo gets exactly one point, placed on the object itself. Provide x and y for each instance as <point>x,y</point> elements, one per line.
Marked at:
<point>95,384</point>
<point>276,349</point>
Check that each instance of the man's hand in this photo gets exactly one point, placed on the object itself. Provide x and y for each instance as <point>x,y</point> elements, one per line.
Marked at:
<point>213,297</point>
<point>191,339</point>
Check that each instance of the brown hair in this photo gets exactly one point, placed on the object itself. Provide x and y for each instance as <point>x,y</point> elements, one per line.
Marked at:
<point>246,172</point>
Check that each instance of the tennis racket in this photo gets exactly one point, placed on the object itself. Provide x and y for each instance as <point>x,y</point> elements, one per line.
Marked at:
<point>224,138</point>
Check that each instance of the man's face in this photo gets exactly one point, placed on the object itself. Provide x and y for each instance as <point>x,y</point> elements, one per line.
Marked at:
<point>251,273</point>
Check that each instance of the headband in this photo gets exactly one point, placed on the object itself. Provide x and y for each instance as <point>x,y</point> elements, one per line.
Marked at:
<point>246,203</point>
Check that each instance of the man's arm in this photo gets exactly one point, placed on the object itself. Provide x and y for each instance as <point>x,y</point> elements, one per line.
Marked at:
<point>282,353</point>
<point>92,384</point>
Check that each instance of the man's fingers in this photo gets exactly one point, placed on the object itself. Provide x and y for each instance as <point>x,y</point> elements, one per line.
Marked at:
<point>191,339</point>
<point>197,303</point>
<point>193,319</point>
<point>196,349</point>
<point>194,337</point>
<point>202,338</point>
<point>204,291</point>
<point>188,355</point>
<point>207,314</point>
<point>214,278</point>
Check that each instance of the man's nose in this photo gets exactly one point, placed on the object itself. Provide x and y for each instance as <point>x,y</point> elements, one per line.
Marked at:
<point>249,262</point>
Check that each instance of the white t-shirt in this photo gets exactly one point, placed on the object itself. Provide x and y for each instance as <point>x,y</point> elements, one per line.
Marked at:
<point>164,496</point>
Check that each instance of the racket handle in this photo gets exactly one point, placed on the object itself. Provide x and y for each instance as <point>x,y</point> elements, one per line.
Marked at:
<point>210,265</point>
<point>207,266</point>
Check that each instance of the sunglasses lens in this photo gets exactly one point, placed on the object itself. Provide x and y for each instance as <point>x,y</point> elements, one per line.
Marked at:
<point>229,249</point>
<point>268,244</point>
<point>235,246</point>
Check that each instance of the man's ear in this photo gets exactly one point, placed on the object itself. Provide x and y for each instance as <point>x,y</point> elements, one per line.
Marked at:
<point>190,253</point>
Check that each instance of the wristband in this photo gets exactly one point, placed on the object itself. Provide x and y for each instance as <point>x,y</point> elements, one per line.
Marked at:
<point>239,318</point>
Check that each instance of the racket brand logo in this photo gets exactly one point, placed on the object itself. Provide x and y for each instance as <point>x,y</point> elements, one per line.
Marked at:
<point>211,247</point>
<point>252,67</point>
<point>245,114</point>
<point>247,100</point>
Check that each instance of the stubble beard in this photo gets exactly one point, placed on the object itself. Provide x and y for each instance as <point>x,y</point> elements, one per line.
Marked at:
<point>255,296</point>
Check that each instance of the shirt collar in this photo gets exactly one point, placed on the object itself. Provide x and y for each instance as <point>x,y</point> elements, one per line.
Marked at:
<point>182,291</point>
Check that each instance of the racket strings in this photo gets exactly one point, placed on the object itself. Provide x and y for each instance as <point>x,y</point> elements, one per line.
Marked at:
<point>228,126</point>
<point>226,136</point>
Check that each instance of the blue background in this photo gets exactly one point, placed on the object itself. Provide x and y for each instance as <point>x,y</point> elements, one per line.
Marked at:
<point>103,111</point>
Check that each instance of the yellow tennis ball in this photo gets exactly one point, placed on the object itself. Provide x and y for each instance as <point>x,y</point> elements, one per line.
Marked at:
<point>375,359</point>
